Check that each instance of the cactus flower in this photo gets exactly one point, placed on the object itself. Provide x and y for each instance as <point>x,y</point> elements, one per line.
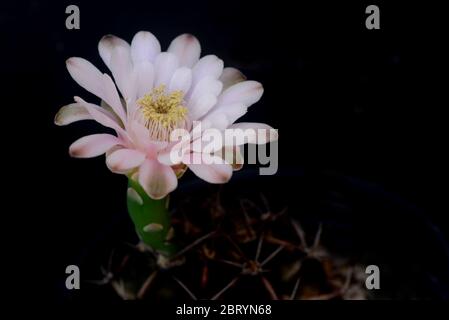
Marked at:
<point>158,92</point>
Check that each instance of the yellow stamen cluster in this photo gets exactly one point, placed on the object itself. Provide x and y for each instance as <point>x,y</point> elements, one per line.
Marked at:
<point>162,113</point>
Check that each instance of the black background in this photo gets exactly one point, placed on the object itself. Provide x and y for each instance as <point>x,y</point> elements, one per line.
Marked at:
<point>358,102</point>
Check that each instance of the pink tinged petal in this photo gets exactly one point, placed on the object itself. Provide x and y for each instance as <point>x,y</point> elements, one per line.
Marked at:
<point>102,116</point>
<point>141,139</point>
<point>157,179</point>
<point>112,98</point>
<point>246,92</point>
<point>113,149</point>
<point>221,116</point>
<point>71,113</point>
<point>145,77</point>
<point>172,155</point>
<point>107,45</point>
<point>259,133</point>
<point>207,85</point>
<point>235,111</point>
<point>124,160</point>
<point>140,136</point>
<point>200,106</point>
<point>231,76</point>
<point>144,47</point>
<point>209,65</point>
<point>232,111</point>
<point>86,75</point>
<point>90,78</point>
<point>215,172</point>
<point>104,105</point>
<point>77,112</point>
<point>187,48</point>
<point>233,118</point>
<point>215,120</point>
<point>213,140</point>
<point>166,158</point>
<point>122,70</point>
<point>181,80</point>
<point>132,87</point>
<point>159,145</point>
<point>173,152</point>
<point>207,143</point>
<point>93,145</point>
<point>165,66</point>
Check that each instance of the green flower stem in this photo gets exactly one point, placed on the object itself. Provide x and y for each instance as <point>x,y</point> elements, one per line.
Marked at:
<point>151,218</point>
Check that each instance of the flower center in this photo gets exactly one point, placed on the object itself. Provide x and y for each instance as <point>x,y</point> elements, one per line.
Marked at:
<point>162,112</point>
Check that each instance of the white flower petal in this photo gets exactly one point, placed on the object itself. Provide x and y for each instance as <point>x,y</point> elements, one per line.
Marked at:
<point>215,120</point>
<point>144,47</point>
<point>90,78</point>
<point>221,116</point>
<point>209,65</point>
<point>112,98</point>
<point>102,116</point>
<point>187,48</point>
<point>93,145</point>
<point>232,111</point>
<point>140,135</point>
<point>157,179</point>
<point>124,160</point>
<point>141,139</point>
<point>206,144</point>
<point>111,112</point>
<point>107,45</point>
<point>86,75</point>
<point>246,92</point>
<point>201,105</point>
<point>165,66</point>
<point>145,77</point>
<point>207,85</point>
<point>181,80</point>
<point>122,70</point>
<point>71,113</point>
<point>231,76</point>
<point>259,133</point>
<point>172,155</point>
<point>212,173</point>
